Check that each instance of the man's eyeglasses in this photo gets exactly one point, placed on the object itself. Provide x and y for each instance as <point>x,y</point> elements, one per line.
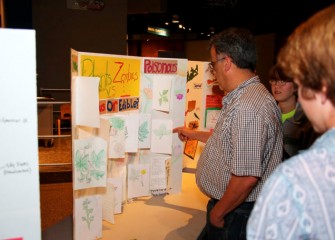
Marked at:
<point>278,83</point>
<point>211,65</point>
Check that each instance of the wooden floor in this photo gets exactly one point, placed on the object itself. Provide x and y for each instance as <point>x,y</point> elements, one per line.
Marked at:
<point>56,195</point>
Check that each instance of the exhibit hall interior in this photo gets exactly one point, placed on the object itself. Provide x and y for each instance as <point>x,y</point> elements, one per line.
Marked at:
<point>91,92</point>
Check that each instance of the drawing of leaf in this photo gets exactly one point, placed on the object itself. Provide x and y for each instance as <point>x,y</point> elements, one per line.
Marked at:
<point>161,131</point>
<point>117,123</point>
<point>97,174</point>
<point>98,159</point>
<point>81,162</point>
<point>165,99</point>
<point>143,132</point>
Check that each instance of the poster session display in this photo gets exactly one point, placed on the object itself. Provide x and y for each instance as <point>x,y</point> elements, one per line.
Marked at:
<point>123,112</point>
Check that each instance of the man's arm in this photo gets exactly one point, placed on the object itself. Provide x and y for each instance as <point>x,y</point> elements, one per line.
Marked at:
<point>238,190</point>
<point>185,134</point>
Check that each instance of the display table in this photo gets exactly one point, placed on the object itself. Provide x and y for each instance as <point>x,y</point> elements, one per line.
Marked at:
<point>169,217</point>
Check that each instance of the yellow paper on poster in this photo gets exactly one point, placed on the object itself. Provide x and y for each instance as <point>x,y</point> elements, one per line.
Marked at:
<point>119,77</point>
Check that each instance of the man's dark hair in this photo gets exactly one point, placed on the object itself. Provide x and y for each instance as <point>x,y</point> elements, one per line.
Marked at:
<point>237,43</point>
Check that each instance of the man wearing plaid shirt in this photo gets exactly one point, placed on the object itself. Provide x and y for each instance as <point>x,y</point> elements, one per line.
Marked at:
<point>246,144</point>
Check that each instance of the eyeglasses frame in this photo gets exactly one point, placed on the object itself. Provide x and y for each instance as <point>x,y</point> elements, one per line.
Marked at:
<point>211,64</point>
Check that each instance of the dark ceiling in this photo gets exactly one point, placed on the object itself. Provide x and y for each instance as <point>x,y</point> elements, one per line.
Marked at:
<point>202,18</point>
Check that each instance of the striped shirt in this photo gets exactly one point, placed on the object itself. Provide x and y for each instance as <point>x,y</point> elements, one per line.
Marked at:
<point>247,140</point>
<point>297,201</point>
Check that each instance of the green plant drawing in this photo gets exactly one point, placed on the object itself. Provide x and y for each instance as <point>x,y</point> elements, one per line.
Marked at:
<point>117,123</point>
<point>163,97</point>
<point>89,166</point>
<point>88,212</point>
<point>162,131</point>
<point>143,131</point>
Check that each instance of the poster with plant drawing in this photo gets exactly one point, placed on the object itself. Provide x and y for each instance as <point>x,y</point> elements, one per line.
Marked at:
<point>146,93</point>
<point>144,131</point>
<point>88,218</point>
<point>161,136</point>
<point>131,141</point>
<point>117,137</point>
<point>162,92</point>
<point>138,180</point>
<point>90,163</point>
<point>212,115</point>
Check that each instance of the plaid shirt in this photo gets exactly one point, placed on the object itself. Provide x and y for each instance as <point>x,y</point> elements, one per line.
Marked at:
<point>247,141</point>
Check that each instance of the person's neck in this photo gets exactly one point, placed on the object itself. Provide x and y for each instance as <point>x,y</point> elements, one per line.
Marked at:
<point>288,105</point>
<point>240,76</point>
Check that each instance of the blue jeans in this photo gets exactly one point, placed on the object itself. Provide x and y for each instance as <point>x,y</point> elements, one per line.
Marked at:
<point>235,223</point>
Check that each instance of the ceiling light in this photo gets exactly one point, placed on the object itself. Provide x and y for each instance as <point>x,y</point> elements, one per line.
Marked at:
<point>175,19</point>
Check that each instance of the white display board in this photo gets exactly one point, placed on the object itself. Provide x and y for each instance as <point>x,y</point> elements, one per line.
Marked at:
<point>135,104</point>
<point>19,172</point>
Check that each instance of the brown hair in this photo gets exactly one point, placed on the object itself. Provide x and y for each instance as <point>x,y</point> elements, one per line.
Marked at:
<point>276,73</point>
<point>309,54</point>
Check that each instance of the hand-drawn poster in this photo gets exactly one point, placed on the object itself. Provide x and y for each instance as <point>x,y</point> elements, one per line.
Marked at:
<point>190,148</point>
<point>161,136</point>
<point>131,132</point>
<point>19,169</point>
<point>194,96</point>
<point>161,97</point>
<point>89,163</point>
<point>144,131</point>
<point>213,108</point>
<point>138,180</point>
<point>146,93</point>
<point>88,217</point>
<point>85,101</point>
<point>203,100</point>
<point>127,88</point>
<point>212,115</point>
<point>117,137</point>
<point>119,75</point>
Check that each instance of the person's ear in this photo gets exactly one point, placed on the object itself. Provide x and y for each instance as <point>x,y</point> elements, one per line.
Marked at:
<point>324,95</point>
<point>227,64</point>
